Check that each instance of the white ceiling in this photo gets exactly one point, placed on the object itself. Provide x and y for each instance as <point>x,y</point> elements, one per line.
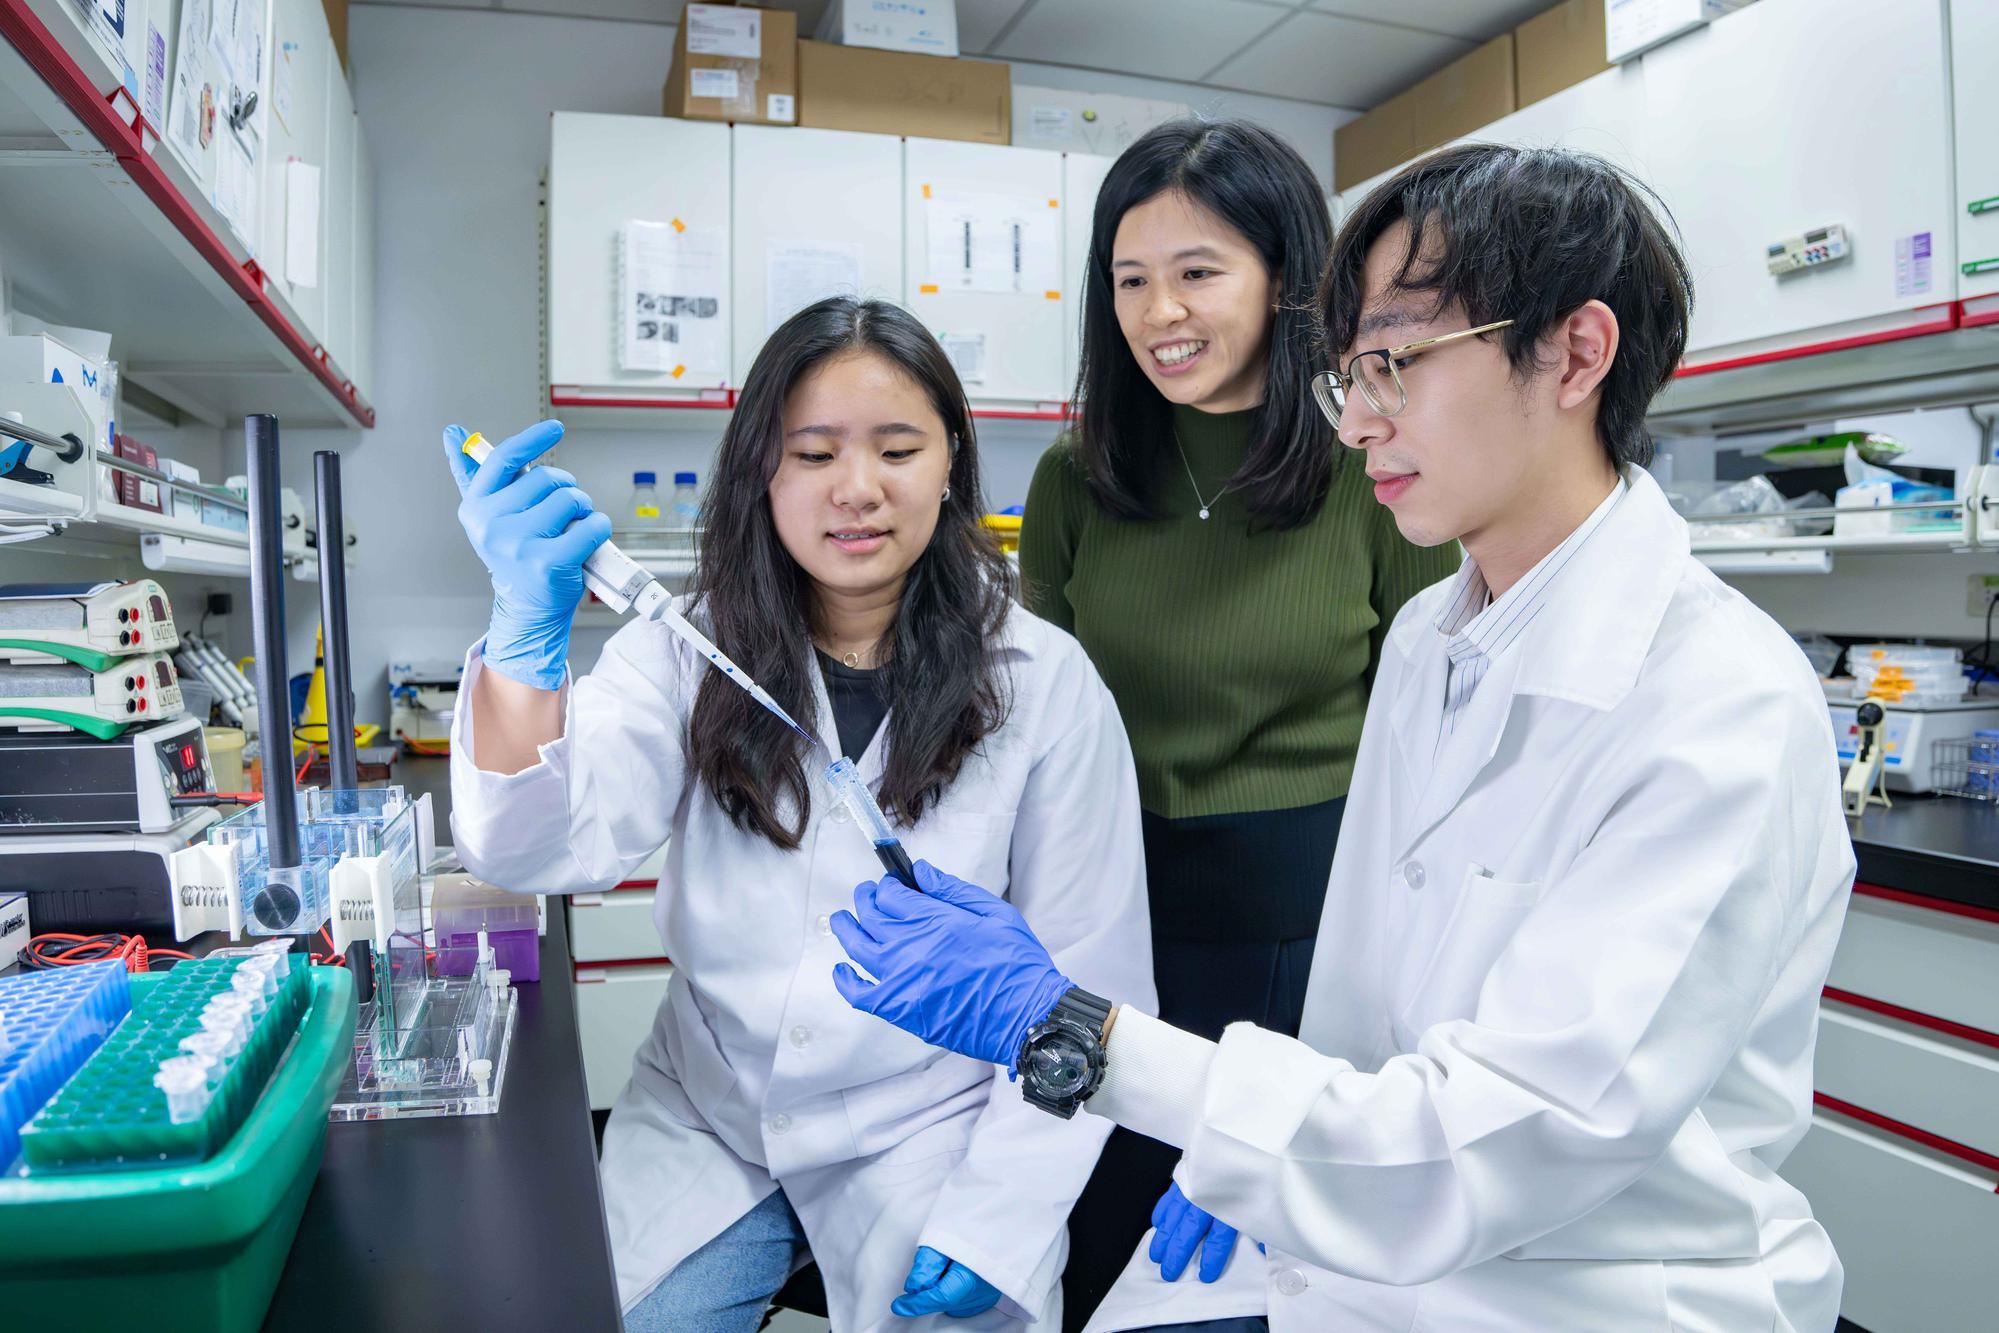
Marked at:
<point>1346,53</point>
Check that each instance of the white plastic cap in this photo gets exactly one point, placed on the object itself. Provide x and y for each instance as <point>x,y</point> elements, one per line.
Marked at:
<point>185,1082</point>
<point>208,1046</point>
<point>481,1071</point>
<point>265,969</point>
<point>279,951</point>
<point>248,984</point>
<point>229,1015</point>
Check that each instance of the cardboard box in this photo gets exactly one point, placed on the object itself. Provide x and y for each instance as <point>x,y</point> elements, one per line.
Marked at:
<point>1458,100</point>
<point>1466,95</point>
<point>1558,50</point>
<point>929,27</point>
<point>900,92</point>
<point>136,492</point>
<point>1382,138</point>
<point>1633,27</point>
<point>734,63</point>
<point>336,27</point>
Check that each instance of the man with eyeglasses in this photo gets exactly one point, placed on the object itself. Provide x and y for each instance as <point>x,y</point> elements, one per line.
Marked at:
<point>1558,1038</point>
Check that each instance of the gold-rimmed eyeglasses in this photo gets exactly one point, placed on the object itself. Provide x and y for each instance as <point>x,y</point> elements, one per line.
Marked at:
<point>1378,374</point>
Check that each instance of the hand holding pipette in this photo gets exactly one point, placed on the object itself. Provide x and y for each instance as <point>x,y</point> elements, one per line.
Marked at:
<point>619,581</point>
<point>534,528</point>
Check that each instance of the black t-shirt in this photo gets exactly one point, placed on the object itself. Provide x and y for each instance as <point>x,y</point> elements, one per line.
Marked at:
<point>858,707</point>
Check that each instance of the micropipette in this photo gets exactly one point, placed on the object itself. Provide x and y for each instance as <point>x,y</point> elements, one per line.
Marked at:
<point>623,584</point>
<point>846,782</point>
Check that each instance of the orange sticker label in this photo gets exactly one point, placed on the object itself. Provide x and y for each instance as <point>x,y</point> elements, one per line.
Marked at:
<point>678,371</point>
<point>679,226</point>
<point>926,192</point>
<point>928,288</point>
<point>1053,296</point>
<point>1055,203</point>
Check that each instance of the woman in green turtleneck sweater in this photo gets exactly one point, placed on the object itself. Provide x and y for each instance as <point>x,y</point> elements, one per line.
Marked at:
<point>1230,580</point>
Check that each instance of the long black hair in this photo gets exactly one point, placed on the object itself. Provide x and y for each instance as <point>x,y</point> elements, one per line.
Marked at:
<point>939,670</point>
<point>1257,183</point>
<point>1530,234</point>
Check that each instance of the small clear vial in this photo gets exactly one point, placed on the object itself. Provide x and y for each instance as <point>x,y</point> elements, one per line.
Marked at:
<point>251,987</point>
<point>265,968</point>
<point>207,1046</point>
<point>279,950</point>
<point>645,500</point>
<point>229,1015</point>
<point>185,1082</point>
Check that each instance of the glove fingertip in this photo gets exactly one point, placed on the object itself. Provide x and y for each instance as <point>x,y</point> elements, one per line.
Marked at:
<point>851,987</point>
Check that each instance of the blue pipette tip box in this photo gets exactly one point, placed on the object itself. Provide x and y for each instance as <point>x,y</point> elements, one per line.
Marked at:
<point>54,1020</point>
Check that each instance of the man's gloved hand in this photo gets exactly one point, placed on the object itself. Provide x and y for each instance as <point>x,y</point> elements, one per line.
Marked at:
<point>953,964</point>
<point>939,1284</point>
<point>1180,1228</point>
<point>533,528</point>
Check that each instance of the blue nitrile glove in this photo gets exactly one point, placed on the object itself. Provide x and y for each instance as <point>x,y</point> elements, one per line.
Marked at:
<point>953,964</point>
<point>533,528</point>
<point>1179,1228</point>
<point>939,1284</point>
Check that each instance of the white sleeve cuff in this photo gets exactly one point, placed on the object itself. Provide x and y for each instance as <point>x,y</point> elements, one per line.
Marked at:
<point>1155,1078</point>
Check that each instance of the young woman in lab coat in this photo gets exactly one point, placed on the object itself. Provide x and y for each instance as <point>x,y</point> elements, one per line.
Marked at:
<point>1230,580</point>
<point>844,568</point>
<point>1558,1039</point>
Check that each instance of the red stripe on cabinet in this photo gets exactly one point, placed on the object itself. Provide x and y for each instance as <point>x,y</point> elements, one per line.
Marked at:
<point>1914,1016</point>
<point>1950,1147</point>
<point>1922,900</point>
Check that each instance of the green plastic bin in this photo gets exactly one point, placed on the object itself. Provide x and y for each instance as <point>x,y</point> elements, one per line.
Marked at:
<point>193,1247</point>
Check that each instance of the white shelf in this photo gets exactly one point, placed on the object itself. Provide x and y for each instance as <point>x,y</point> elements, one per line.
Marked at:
<point>118,532</point>
<point>97,233</point>
<point>1884,543</point>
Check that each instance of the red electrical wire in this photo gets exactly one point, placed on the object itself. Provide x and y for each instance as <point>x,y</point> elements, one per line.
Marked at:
<point>61,949</point>
<point>311,752</point>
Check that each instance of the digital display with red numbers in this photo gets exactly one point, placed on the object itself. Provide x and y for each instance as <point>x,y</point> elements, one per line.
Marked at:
<point>184,766</point>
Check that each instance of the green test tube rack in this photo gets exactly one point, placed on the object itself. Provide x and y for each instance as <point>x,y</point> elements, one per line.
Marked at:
<point>110,1114</point>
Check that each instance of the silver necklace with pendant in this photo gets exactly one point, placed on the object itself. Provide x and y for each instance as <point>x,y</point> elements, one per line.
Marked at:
<point>1206,505</point>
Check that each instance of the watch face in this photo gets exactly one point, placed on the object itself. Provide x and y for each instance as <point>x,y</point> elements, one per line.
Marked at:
<point>1058,1065</point>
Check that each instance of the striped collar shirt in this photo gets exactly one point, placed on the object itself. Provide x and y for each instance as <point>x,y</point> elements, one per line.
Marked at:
<point>1477,629</point>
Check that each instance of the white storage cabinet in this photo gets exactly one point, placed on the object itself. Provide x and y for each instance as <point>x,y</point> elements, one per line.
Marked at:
<point>1008,344</point>
<point>818,213</point>
<point>603,172</point>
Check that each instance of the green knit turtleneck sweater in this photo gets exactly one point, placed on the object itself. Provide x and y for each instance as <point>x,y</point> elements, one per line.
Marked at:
<point>1240,662</point>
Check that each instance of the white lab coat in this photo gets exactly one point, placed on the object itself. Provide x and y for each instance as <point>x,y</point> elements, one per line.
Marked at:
<point>1558,1036</point>
<point>756,1070</point>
